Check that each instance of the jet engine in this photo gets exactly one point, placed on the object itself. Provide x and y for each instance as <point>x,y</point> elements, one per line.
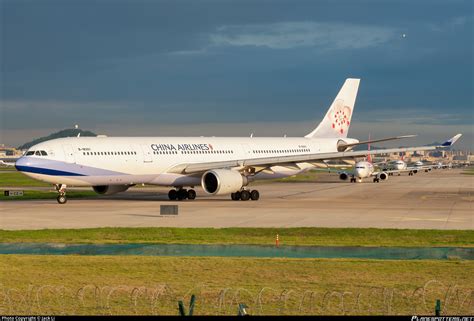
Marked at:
<point>343,176</point>
<point>110,189</point>
<point>222,181</point>
<point>383,176</point>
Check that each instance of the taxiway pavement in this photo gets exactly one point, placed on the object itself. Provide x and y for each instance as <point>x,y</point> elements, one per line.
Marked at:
<point>442,199</point>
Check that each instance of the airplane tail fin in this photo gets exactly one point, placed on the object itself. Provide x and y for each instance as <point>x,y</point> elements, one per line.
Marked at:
<point>451,141</point>
<point>338,118</point>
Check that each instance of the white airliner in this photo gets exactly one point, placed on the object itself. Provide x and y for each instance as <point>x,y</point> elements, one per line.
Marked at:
<point>220,165</point>
<point>400,166</point>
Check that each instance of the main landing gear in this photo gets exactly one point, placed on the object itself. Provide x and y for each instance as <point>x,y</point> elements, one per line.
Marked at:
<point>376,180</point>
<point>61,188</point>
<point>245,195</point>
<point>181,194</point>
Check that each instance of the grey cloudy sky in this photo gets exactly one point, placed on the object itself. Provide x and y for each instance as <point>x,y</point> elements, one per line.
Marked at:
<point>234,67</point>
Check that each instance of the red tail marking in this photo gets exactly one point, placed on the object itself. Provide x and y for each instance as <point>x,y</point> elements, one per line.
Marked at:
<point>369,157</point>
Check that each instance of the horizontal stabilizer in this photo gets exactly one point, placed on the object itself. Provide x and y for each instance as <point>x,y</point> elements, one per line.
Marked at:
<point>341,147</point>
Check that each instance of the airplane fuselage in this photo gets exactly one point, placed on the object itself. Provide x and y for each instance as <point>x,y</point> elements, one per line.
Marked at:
<point>363,169</point>
<point>400,165</point>
<point>93,161</point>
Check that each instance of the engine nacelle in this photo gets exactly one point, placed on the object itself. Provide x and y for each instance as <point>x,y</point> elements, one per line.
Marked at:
<point>343,176</point>
<point>222,181</point>
<point>110,189</point>
<point>383,176</point>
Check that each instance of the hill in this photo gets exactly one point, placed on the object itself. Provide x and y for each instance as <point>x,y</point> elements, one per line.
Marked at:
<point>72,132</point>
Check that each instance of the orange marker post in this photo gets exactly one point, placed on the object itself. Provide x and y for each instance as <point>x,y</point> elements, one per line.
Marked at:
<point>277,242</point>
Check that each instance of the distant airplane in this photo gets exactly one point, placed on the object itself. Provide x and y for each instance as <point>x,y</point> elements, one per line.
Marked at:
<point>6,163</point>
<point>366,169</point>
<point>400,166</point>
<point>220,165</point>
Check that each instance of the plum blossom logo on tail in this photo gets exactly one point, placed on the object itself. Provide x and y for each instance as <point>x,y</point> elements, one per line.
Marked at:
<point>340,116</point>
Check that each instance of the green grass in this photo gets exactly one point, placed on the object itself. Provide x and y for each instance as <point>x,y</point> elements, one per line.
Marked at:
<point>37,195</point>
<point>288,236</point>
<point>152,285</point>
<point>17,179</point>
<point>469,171</point>
<point>7,168</point>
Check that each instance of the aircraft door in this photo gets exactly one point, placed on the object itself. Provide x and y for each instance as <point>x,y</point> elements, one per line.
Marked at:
<point>147,154</point>
<point>69,154</point>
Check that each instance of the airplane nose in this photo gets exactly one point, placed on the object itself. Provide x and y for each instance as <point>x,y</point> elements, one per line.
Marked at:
<point>23,162</point>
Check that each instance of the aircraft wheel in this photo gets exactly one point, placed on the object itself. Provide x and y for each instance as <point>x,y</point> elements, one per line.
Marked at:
<point>191,194</point>
<point>182,194</point>
<point>61,199</point>
<point>254,195</point>
<point>375,180</point>
<point>172,195</point>
<point>245,195</point>
<point>235,196</point>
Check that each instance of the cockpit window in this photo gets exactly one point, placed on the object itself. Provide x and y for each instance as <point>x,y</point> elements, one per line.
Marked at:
<point>37,153</point>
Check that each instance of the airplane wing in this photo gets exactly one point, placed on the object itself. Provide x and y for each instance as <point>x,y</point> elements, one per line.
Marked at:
<point>263,163</point>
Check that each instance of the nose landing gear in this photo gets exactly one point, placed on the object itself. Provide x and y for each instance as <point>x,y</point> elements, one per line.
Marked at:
<point>61,188</point>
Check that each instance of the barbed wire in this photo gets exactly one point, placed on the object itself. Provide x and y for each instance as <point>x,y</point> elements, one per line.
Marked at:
<point>162,299</point>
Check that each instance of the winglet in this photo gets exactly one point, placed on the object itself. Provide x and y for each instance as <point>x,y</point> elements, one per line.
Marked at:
<point>451,141</point>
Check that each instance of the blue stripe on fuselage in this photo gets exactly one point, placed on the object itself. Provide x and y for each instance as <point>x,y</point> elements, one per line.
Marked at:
<point>46,171</point>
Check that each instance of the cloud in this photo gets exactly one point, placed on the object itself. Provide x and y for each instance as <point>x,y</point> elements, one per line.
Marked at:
<point>451,24</point>
<point>287,35</point>
<point>416,116</point>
